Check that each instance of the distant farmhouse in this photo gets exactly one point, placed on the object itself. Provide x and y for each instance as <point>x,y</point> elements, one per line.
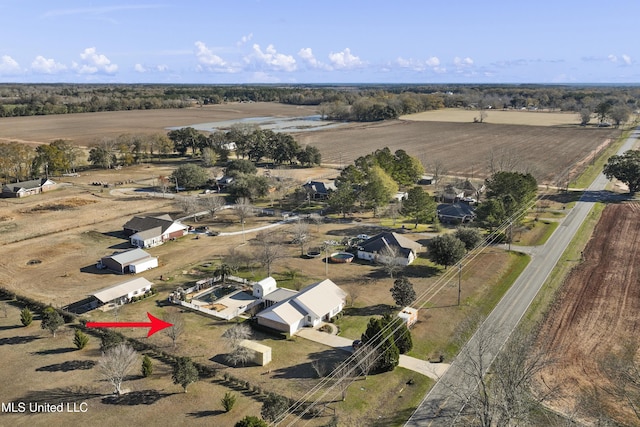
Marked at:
<point>27,188</point>
<point>147,232</point>
<point>312,305</point>
<point>379,246</point>
<point>133,261</point>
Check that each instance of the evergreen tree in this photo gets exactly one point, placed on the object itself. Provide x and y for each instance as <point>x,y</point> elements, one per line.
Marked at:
<point>184,372</point>
<point>51,320</point>
<point>80,339</point>
<point>147,366</point>
<point>26,317</point>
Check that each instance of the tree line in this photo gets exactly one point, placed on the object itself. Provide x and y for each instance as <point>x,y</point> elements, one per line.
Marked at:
<point>346,102</point>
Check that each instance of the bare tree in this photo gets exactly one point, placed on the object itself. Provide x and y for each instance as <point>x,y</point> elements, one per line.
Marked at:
<point>212,203</point>
<point>366,358</point>
<point>503,160</point>
<point>269,249</point>
<point>186,204</point>
<point>502,395</point>
<point>388,258</point>
<point>439,171</point>
<point>116,363</point>
<point>238,353</point>
<point>244,210</point>
<point>301,235</point>
<point>177,326</point>
<point>623,371</point>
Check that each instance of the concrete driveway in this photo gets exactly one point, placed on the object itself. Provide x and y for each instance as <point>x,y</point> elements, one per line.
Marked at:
<point>423,367</point>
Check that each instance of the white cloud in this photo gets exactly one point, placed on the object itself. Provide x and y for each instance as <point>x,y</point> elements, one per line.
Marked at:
<point>244,40</point>
<point>612,58</point>
<point>210,61</point>
<point>462,62</point>
<point>9,66</point>
<point>47,66</point>
<point>626,59</point>
<point>93,63</point>
<point>307,55</point>
<point>345,60</point>
<point>273,59</point>
<point>432,63</point>
<point>140,68</point>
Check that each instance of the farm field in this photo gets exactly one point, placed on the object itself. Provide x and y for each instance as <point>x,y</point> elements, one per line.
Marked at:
<point>498,117</point>
<point>463,148</point>
<point>595,314</point>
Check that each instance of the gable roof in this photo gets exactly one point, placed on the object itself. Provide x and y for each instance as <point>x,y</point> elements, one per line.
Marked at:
<point>387,239</point>
<point>320,187</point>
<point>28,185</point>
<point>456,210</point>
<point>129,257</point>
<point>320,298</point>
<point>143,223</point>
<point>317,299</point>
<point>121,289</point>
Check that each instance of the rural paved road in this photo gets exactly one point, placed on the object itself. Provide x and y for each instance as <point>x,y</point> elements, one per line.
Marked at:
<point>441,406</point>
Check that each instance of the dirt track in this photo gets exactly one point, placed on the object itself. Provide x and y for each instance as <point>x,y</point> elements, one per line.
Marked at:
<point>597,310</point>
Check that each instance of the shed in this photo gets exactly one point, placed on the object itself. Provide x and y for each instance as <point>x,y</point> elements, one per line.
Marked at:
<point>409,315</point>
<point>133,261</point>
<point>261,354</point>
<point>264,287</point>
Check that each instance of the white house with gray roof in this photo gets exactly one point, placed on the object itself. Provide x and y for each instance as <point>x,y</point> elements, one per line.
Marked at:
<point>123,292</point>
<point>382,245</point>
<point>133,261</point>
<point>312,305</point>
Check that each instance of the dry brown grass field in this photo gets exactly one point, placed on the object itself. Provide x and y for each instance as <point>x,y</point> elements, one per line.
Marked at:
<point>499,117</point>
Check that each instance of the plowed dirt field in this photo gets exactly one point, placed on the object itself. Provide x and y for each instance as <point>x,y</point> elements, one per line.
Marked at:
<point>597,311</point>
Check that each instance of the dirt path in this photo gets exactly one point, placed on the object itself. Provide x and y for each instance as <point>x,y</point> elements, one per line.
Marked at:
<point>598,308</point>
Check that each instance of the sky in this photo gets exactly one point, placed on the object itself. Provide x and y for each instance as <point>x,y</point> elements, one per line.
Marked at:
<point>327,41</point>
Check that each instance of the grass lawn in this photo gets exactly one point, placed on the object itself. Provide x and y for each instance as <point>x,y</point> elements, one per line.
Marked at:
<point>596,166</point>
<point>537,232</point>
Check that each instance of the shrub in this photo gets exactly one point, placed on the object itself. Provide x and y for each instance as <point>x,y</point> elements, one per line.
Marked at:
<point>80,339</point>
<point>228,401</point>
<point>26,317</point>
<point>147,366</point>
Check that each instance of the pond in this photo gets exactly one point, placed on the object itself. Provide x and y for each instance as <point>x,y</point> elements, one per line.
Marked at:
<point>276,124</point>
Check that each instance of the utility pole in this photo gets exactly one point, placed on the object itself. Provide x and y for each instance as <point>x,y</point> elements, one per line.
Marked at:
<point>459,281</point>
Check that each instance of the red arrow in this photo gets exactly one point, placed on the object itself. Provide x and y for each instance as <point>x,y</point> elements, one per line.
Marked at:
<point>155,325</point>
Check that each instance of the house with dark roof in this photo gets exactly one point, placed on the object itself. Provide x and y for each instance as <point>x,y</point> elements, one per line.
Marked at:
<point>312,305</point>
<point>147,232</point>
<point>455,213</point>
<point>379,247</point>
<point>319,190</point>
<point>27,188</point>
<point>133,261</point>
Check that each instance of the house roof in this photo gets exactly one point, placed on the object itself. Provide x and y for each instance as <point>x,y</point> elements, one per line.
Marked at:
<point>320,187</point>
<point>143,223</point>
<point>286,312</point>
<point>130,257</point>
<point>317,299</point>
<point>456,210</point>
<point>28,185</point>
<point>280,294</point>
<point>121,289</point>
<point>384,240</point>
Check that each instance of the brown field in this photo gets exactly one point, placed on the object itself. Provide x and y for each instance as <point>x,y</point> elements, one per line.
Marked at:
<point>499,117</point>
<point>82,129</point>
<point>463,147</point>
<point>596,313</point>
